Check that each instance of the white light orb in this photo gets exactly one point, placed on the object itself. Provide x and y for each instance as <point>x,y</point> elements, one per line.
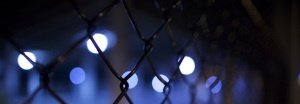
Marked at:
<point>157,84</point>
<point>77,75</point>
<point>210,81</point>
<point>101,41</point>
<point>187,66</point>
<point>132,81</point>
<point>24,63</point>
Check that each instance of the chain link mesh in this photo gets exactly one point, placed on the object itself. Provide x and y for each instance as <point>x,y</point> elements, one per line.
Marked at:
<point>222,28</point>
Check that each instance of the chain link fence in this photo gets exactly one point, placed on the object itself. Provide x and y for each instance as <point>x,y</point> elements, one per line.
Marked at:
<point>228,40</point>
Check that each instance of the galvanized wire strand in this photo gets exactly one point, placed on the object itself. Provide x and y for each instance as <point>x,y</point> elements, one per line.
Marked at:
<point>43,75</point>
<point>58,98</point>
<point>62,57</point>
<point>109,65</point>
<point>167,19</point>
<point>180,51</point>
<point>148,41</point>
<point>37,66</point>
<point>101,13</point>
<point>31,97</point>
<point>193,85</point>
<point>90,30</point>
<point>134,25</point>
<point>45,71</point>
<point>180,56</point>
<point>124,80</point>
<point>50,68</point>
<point>171,38</point>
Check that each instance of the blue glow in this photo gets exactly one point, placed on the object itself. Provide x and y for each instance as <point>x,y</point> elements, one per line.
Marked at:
<point>240,85</point>
<point>101,41</point>
<point>217,88</point>
<point>0,68</point>
<point>24,63</point>
<point>133,80</point>
<point>203,93</point>
<point>157,84</point>
<point>77,75</point>
<point>210,81</point>
<point>298,79</point>
<point>187,66</point>
<point>111,37</point>
<point>239,89</point>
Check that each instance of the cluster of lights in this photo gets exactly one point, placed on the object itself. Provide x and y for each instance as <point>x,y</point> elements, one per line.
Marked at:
<point>100,39</point>
<point>77,74</point>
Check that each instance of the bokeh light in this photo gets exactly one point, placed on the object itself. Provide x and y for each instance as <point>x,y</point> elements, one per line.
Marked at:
<point>215,88</point>
<point>187,66</point>
<point>157,84</point>
<point>24,63</point>
<point>132,81</point>
<point>101,41</point>
<point>77,75</point>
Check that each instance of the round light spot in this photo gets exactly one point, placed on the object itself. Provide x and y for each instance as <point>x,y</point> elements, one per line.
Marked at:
<point>132,81</point>
<point>210,81</point>
<point>187,66</point>
<point>77,75</point>
<point>101,41</point>
<point>157,84</point>
<point>24,63</point>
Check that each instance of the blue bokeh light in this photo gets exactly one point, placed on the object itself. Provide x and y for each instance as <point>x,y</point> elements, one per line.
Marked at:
<point>132,81</point>
<point>210,81</point>
<point>157,84</point>
<point>217,88</point>
<point>77,75</point>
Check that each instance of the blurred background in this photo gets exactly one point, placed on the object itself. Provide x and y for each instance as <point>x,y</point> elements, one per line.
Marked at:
<point>247,51</point>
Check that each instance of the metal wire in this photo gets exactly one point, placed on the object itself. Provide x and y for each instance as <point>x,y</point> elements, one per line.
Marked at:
<point>198,30</point>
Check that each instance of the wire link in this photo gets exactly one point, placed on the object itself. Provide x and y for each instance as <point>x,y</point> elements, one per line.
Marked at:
<point>44,72</point>
<point>197,29</point>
